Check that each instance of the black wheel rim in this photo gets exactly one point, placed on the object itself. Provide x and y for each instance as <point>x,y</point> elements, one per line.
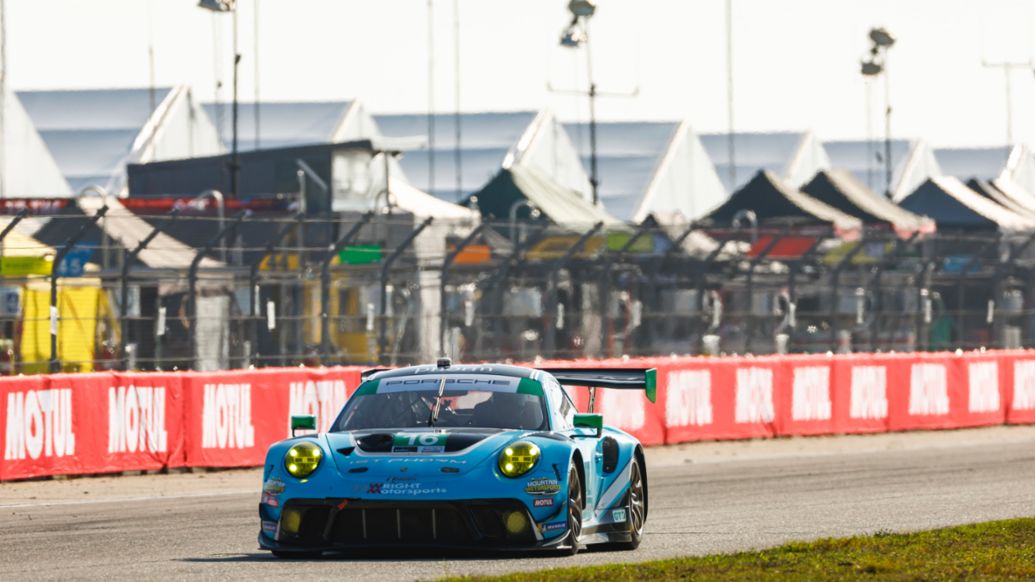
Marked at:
<point>637,511</point>
<point>574,507</point>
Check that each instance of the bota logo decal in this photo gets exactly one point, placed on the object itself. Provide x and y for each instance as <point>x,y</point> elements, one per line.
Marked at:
<point>227,417</point>
<point>869,399</point>
<point>811,393</point>
<point>136,420</point>
<point>322,399</point>
<point>983,387</point>
<point>623,408</point>
<point>928,390</point>
<point>39,424</point>
<point>689,398</point>
<point>754,395</point>
<point>1024,385</point>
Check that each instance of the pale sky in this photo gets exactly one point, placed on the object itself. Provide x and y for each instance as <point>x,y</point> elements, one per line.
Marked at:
<point>796,62</point>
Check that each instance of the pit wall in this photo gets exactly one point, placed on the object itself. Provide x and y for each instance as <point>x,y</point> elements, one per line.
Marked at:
<point>74,424</point>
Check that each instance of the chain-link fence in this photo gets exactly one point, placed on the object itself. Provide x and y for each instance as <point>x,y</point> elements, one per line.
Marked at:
<point>203,292</point>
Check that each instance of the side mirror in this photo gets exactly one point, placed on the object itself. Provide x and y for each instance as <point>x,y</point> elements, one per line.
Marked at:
<point>305,422</point>
<point>590,421</point>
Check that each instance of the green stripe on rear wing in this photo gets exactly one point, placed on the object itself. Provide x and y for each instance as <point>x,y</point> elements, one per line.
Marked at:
<point>645,379</point>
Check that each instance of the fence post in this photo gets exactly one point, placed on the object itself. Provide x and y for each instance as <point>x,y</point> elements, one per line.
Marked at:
<point>835,286</point>
<point>253,286</point>
<point>128,258</point>
<point>55,363</point>
<point>873,286</point>
<point>749,327</point>
<point>385,267</point>
<point>192,281</point>
<point>443,278</point>
<point>325,281</point>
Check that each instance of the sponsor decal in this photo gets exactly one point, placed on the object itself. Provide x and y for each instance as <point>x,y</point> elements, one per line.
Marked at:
<point>39,424</point>
<point>544,502</point>
<point>419,443</point>
<point>811,393</point>
<point>618,515</point>
<point>689,399</point>
<point>273,486</point>
<point>983,393</point>
<point>136,420</point>
<point>928,390</point>
<point>409,488</point>
<point>269,528</point>
<point>321,398</point>
<point>542,486</point>
<point>555,526</point>
<point>869,399</point>
<point>754,395</point>
<point>1024,385</point>
<point>269,499</point>
<point>425,460</point>
<point>227,417</point>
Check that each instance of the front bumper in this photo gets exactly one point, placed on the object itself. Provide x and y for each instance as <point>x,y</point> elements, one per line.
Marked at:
<point>340,524</point>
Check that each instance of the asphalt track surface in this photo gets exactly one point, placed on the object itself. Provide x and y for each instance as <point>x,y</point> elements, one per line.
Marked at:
<point>705,498</point>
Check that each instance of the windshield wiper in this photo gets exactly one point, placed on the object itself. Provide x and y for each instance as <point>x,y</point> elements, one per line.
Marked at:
<point>438,402</point>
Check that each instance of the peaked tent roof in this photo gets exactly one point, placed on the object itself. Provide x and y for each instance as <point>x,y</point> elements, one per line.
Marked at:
<point>995,194</point>
<point>772,200</point>
<point>29,170</point>
<point>948,201</point>
<point>93,134</point>
<point>651,167</point>
<point>489,141</point>
<point>1021,197</point>
<point>792,156</point>
<point>842,190</point>
<point>912,162</point>
<point>559,204</point>
<point>965,163</point>
<point>292,123</point>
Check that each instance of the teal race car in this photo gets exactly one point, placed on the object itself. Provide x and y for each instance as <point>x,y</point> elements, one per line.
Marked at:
<point>470,456</point>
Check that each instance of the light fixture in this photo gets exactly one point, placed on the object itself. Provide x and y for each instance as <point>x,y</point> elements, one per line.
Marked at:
<point>582,8</point>
<point>217,5</point>
<point>871,68</point>
<point>881,37</point>
<point>573,37</point>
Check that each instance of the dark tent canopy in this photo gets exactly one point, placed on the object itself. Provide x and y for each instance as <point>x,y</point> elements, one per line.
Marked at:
<point>953,205</point>
<point>843,191</point>
<point>558,204</point>
<point>773,201</point>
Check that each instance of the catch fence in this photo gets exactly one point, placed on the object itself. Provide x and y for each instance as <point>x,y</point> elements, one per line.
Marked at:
<point>256,290</point>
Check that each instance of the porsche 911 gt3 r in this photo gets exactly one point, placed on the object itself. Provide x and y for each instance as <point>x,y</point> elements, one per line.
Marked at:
<point>473,456</point>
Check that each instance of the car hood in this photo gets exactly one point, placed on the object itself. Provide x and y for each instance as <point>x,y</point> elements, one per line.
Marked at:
<point>439,451</point>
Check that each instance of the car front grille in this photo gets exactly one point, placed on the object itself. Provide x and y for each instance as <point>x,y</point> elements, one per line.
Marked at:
<point>341,522</point>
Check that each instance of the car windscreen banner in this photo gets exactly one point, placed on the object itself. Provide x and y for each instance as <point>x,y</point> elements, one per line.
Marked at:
<point>74,424</point>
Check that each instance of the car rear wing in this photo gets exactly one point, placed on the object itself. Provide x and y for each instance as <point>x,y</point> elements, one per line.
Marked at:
<point>645,379</point>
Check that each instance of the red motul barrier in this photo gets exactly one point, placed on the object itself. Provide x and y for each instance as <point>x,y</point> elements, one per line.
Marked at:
<point>65,424</point>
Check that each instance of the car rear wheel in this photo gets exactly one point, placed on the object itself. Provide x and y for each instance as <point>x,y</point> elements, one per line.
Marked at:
<point>637,511</point>
<point>575,505</point>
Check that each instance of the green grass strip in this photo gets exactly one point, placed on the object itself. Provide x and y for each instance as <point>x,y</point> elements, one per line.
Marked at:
<point>998,550</point>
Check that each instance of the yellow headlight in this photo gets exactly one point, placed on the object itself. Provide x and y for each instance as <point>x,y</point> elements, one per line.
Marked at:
<point>518,458</point>
<point>302,459</point>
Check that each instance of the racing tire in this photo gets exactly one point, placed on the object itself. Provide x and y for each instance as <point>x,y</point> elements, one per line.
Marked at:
<point>296,555</point>
<point>575,507</point>
<point>637,509</point>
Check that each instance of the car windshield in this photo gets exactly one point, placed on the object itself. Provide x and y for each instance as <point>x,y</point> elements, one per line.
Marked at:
<point>459,408</point>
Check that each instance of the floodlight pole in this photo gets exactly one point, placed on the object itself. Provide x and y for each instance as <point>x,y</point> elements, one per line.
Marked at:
<point>235,167</point>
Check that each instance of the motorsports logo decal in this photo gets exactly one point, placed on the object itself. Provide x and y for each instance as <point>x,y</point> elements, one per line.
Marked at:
<point>419,443</point>
<point>542,486</point>
<point>401,487</point>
